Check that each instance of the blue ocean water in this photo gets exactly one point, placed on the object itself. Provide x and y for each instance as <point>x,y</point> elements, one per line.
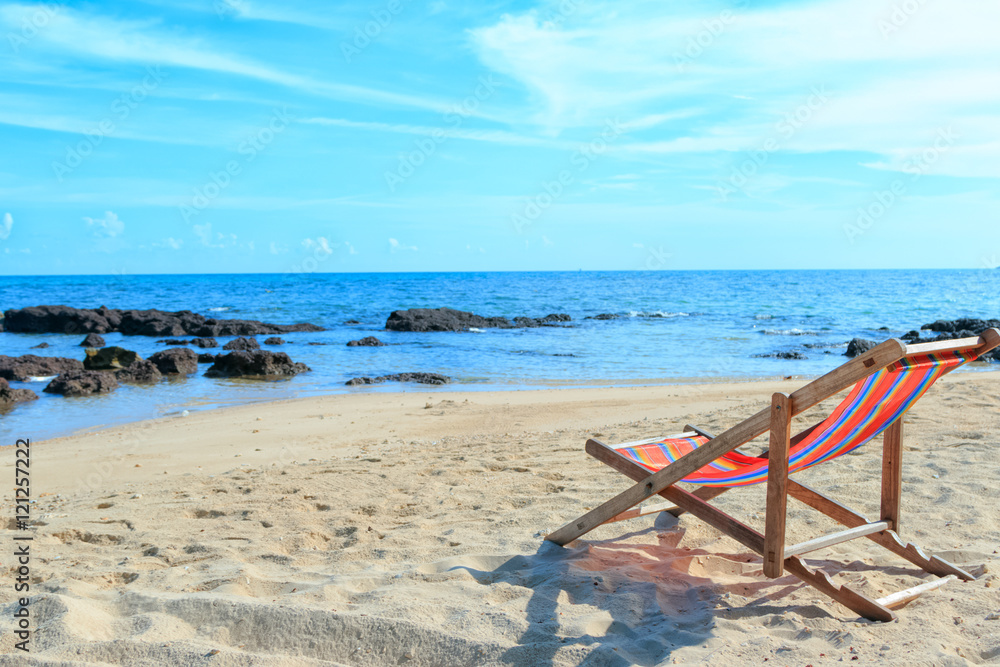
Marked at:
<point>674,327</point>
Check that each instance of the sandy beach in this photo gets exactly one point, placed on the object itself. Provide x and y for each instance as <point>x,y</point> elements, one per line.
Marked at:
<point>406,528</point>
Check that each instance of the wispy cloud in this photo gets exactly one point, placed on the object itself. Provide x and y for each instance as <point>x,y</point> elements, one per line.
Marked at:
<point>6,225</point>
<point>109,226</point>
<point>146,42</point>
<point>396,246</point>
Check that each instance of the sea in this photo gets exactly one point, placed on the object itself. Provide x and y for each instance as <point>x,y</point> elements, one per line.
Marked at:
<point>669,327</point>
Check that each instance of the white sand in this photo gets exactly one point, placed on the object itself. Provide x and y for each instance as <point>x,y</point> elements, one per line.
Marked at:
<point>386,529</point>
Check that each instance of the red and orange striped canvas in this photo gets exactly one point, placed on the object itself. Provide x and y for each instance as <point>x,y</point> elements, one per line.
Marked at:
<point>871,406</point>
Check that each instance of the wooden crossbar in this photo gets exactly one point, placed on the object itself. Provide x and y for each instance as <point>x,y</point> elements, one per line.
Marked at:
<point>835,538</point>
<point>902,597</point>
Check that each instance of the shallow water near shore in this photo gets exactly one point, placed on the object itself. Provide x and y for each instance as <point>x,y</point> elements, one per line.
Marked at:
<point>672,327</point>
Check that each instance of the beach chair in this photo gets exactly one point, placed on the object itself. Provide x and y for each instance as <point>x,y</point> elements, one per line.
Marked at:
<point>887,380</point>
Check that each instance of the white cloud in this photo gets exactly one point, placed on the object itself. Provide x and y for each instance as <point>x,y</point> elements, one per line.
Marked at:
<point>894,78</point>
<point>218,240</point>
<point>170,242</point>
<point>277,249</point>
<point>5,226</point>
<point>320,244</point>
<point>109,226</point>
<point>395,246</point>
<point>350,248</point>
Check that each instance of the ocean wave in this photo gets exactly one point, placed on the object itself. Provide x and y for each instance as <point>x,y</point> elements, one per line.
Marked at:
<point>220,309</point>
<point>477,330</point>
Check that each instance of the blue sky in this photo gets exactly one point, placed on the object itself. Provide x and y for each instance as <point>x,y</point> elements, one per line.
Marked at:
<point>399,135</point>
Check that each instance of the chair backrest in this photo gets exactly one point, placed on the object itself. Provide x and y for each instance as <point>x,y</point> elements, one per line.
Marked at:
<point>871,406</point>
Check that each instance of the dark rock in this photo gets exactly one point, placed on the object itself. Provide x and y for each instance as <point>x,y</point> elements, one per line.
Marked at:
<point>83,383</point>
<point>367,341</point>
<point>351,322</point>
<point>449,319</point>
<point>442,319</point>
<point>176,360</point>
<point>40,346</point>
<point>254,363</point>
<point>782,355</point>
<point>55,319</point>
<point>604,316</point>
<point>9,397</point>
<point>911,336</point>
<point>883,328</point>
<point>274,340</point>
<point>242,344</point>
<point>29,365</point>
<point>204,342</point>
<point>140,371</point>
<point>207,358</point>
<point>93,340</point>
<point>421,378</point>
<point>109,358</point>
<point>859,346</point>
<point>173,341</point>
<point>975,326</point>
<point>317,343</point>
<point>64,319</point>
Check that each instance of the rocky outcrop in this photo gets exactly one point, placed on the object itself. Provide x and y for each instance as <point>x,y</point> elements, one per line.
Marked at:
<point>274,340</point>
<point>254,363</point>
<point>109,358</point>
<point>93,340</point>
<point>29,365</point>
<point>173,341</point>
<point>420,378</point>
<point>204,342</point>
<point>449,319</point>
<point>242,344</point>
<point>9,397</point>
<point>176,361</point>
<point>83,383</point>
<point>367,341</point>
<point>40,346</point>
<point>65,319</point>
<point>966,326</point>
<point>859,346</point>
<point>782,355</point>
<point>141,371</point>
<point>207,357</point>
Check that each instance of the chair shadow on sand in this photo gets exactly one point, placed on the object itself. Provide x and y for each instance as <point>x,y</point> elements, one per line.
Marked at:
<point>645,601</point>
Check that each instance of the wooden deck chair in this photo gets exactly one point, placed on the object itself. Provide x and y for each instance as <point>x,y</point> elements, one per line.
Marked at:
<point>887,380</point>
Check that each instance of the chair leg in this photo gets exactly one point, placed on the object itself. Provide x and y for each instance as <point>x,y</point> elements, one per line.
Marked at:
<point>892,480</point>
<point>777,486</point>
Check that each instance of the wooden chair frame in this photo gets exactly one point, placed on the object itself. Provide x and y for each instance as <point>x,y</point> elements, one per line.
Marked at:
<point>770,545</point>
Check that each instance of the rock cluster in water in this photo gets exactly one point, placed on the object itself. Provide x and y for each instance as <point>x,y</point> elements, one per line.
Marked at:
<point>367,341</point>
<point>449,319</point>
<point>65,319</point>
<point>420,378</point>
<point>9,397</point>
<point>254,363</point>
